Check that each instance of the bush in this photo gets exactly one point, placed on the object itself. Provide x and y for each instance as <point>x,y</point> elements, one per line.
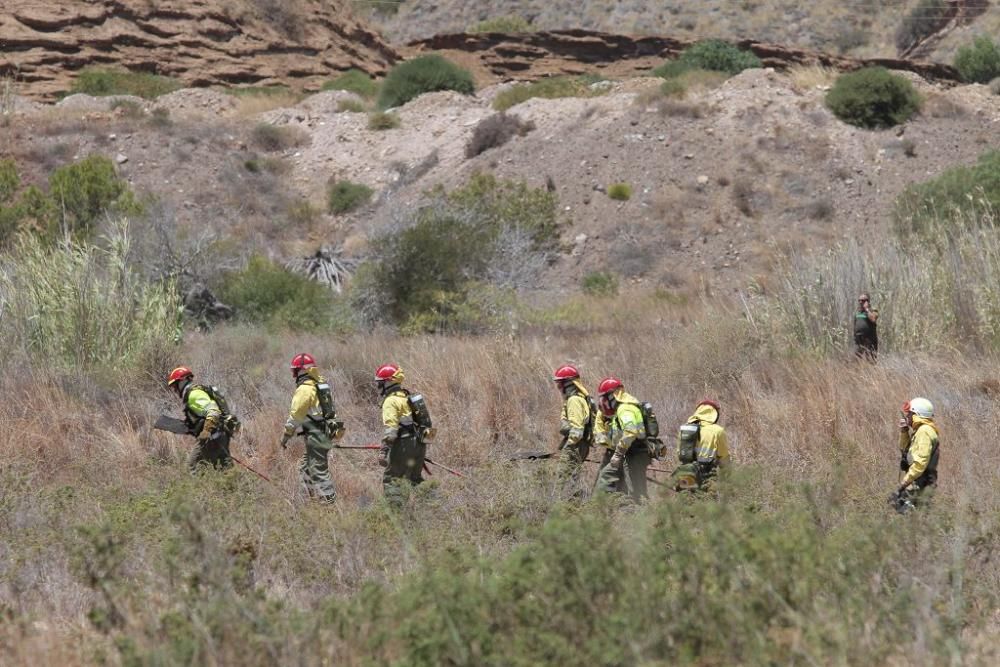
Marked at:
<point>502,24</point>
<point>924,20</point>
<point>872,98</point>
<point>84,191</point>
<point>960,191</point>
<point>620,191</point>
<point>79,304</point>
<point>978,62</point>
<point>494,132</point>
<point>344,196</point>
<point>600,283</point>
<point>354,81</point>
<point>351,106</point>
<point>264,292</point>
<point>425,74</point>
<point>10,181</point>
<point>380,120</point>
<point>549,88</point>
<point>273,138</point>
<point>103,82</point>
<point>714,55</point>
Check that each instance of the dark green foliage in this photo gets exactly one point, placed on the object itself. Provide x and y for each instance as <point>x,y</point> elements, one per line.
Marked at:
<point>83,191</point>
<point>345,196</point>
<point>10,181</point>
<point>600,283</point>
<point>102,82</point>
<point>979,62</point>
<point>354,81</point>
<point>268,293</point>
<point>965,191</point>
<point>424,74</point>
<point>873,98</point>
<point>927,17</point>
<point>711,54</point>
<point>620,191</point>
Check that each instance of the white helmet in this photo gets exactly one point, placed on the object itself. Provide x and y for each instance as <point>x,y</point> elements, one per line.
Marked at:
<point>920,407</point>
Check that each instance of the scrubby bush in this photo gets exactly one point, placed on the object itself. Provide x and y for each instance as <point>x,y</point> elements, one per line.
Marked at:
<point>267,293</point>
<point>103,82</point>
<point>76,303</point>
<point>620,191</point>
<point>510,23</point>
<point>10,181</point>
<point>714,55</point>
<point>924,20</point>
<point>600,283</point>
<point>351,106</point>
<point>978,62</point>
<point>549,88</point>
<point>873,98</point>
<point>958,194</point>
<point>494,132</point>
<point>354,81</point>
<point>381,120</point>
<point>424,74</point>
<point>83,191</point>
<point>345,196</point>
<point>274,138</point>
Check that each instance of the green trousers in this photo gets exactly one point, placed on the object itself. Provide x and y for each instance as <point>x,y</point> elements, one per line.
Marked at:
<point>571,458</point>
<point>314,468</point>
<point>406,465</point>
<point>630,477</point>
<point>214,452</point>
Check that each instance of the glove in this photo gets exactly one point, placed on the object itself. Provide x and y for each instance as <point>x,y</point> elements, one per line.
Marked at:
<point>383,457</point>
<point>903,465</point>
<point>284,440</point>
<point>616,461</point>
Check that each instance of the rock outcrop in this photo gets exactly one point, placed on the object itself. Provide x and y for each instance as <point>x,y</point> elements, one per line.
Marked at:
<point>200,42</point>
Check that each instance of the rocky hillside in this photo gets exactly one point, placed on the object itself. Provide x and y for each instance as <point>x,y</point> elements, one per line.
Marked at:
<point>200,42</point>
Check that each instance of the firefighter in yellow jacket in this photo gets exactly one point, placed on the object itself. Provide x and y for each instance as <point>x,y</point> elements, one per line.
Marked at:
<point>626,459</point>
<point>702,449</point>
<point>405,433</point>
<point>576,426</point>
<point>206,421</point>
<point>312,415</point>
<point>918,445</point>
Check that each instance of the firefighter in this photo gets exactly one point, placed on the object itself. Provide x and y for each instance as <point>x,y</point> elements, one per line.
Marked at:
<point>623,469</point>
<point>918,445</point>
<point>406,431</point>
<point>576,426</point>
<point>211,424</point>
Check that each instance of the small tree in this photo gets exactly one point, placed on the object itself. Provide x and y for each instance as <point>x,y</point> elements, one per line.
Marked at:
<point>978,62</point>
<point>715,55</point>
<point>425,74</point>
<point>873,98</point>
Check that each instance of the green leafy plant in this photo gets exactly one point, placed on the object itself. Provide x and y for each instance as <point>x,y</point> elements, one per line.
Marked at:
<point>345,196</point>
<point>354,81</point>
<point>600,283</point>
<point>979,62</point>
<point>713,55</point>
<point>549,89</point>
<point>424,74</point>
<point>381,120</point>
<point>873,98</point>
<point>510,23</point>
<point>620,191</point>
<point>102,82</point>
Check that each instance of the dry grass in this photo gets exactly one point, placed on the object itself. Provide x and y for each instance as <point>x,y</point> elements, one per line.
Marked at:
<point>811,77</point>
<point>253,103</point>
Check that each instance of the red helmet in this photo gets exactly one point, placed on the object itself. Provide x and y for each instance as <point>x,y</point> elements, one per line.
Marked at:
<point>303,361</point>
<point>388,372</point>
<point>608,385</point>
<point>566,372</point>
<point>178,374</point>
<point>712,402</point>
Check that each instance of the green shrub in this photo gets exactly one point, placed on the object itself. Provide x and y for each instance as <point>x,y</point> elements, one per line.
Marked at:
<point>79,304</point>
<point>600,283</point>
<point>84,191</point>
<point>259,91</point>
<point>264,292</point>
<point>510,23</point>
<point>620,191</point>
<point>103,82</point>
<point>273,138</point>
<point>424,74</point>
<point>924,20</point>
<point>381,120</point>
<point>344,196</point>
<point>549,88</point>
<point>872,98</point>
<point>958,193</point>
<point>354,81</point>
<point>714,55</point>
<point>978,62</point>
<point>10,181</point>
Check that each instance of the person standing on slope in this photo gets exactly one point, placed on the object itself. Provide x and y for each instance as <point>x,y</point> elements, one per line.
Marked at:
<point>209,422</point>
<point>865,329</point>
<point>919,444</point>
<point>312,415</point>
<point>623,469</point>
<point>702,449</point>
<point>406,430</point>
<point>576,426</point>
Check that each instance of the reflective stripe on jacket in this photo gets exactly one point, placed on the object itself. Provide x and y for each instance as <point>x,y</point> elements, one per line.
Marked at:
<point>713,444</point>
<point>626,426</point>
<point>305,402</point>
<point>396,412</point>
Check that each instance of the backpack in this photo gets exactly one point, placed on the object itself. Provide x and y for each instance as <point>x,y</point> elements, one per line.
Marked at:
<point>688,441</point>
<point>418,408</point>
<point>652,427</point>
<point>229,422</point>
<point>334,427</point>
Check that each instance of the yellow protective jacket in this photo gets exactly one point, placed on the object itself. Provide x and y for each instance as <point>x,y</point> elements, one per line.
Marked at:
<point>305,402</point>
<point>575,416</point>
<point>395,411</point>
<point>201,409</point>
<point>920,448</point>
<point>713,444</point>
<point>626,426</point>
